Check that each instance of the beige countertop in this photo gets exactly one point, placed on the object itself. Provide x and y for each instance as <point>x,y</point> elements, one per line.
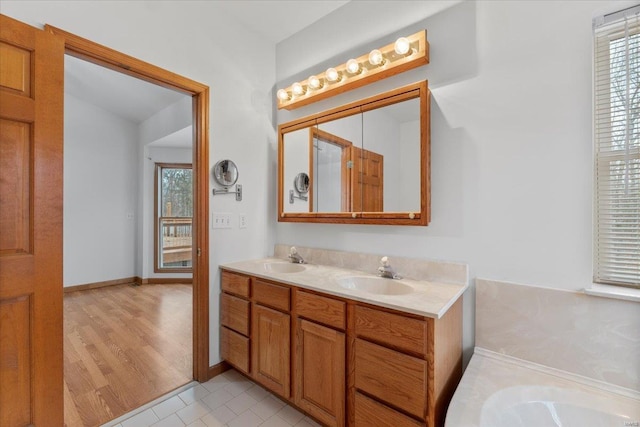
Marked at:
<point>430,299</point>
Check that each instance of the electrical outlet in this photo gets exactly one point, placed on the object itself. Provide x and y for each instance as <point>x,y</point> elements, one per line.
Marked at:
<point>242,221</point>
<point>130,215</point>
<point>220,220</point>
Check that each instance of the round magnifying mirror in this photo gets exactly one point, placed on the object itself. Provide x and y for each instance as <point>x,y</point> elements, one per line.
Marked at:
<point>301,183</point>
<point>225,173</point>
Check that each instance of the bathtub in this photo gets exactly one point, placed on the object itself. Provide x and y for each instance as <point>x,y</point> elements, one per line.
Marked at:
<point>501,391</point>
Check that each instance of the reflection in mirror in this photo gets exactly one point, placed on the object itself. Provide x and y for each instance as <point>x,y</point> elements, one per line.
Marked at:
<point>296,150</point>
<point>332,165</point>
<point>390,167</point>
<point>330,180</point>
<point>368,162</point>
<point>225,173</point>
<point>301,183</point>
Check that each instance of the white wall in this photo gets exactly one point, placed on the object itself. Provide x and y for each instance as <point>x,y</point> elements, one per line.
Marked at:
<point>511,166</point>
<point>199,41</point>
<point>167,121</point>
<point>100,193</point>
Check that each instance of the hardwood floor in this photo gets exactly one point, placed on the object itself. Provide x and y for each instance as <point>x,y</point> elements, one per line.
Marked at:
<point>123,347</point>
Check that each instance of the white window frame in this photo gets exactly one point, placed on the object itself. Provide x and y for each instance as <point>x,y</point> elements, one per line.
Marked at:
<point>158,266</point>
<point>608,271</point>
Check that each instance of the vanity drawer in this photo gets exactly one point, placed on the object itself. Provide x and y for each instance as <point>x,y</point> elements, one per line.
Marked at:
<point>234,313</point>
<point>370,413</point>
<point>235,284</point>
<point>271,295</point>
<point>393,377</point>
<point>327,311</point>
<point>401,332</point>
<point>234,348</point>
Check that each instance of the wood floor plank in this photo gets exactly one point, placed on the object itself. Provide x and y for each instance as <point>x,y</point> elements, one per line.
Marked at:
<point>124,346</point>
<point>86,359</point>
<point>71,415</point>
<point>171,372</point>
<point>92,408</point>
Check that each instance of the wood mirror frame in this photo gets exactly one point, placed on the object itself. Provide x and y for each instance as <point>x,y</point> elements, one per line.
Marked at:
<point>418,90</point>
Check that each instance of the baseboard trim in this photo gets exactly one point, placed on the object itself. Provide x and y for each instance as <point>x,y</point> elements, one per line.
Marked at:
<point>130,281</point>
<point>95,285</point>
<point>217,369</point>
<point>166,281</point>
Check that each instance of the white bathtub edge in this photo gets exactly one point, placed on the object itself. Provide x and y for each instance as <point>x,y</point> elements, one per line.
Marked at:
<point>590,382</point>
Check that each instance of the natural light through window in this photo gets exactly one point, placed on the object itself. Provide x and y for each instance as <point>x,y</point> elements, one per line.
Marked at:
<point>617,152</point>
<point>174,214</point>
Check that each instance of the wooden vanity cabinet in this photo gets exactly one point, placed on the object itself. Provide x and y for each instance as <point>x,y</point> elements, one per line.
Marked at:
<point>406,367</point>
<point>343,362</point>
<point>234,320</point>
<point>320,357</point>
<point>271,337</point>
<point>369,412</point>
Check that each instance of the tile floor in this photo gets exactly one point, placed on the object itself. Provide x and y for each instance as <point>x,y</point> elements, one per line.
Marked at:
<point>226,400</point>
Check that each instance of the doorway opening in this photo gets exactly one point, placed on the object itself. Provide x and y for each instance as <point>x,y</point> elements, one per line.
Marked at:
<point>176,292</point>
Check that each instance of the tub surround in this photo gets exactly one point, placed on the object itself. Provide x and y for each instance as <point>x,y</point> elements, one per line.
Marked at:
<point>430,299</point>
<point>544,353</point>
<point>489,373</point>
<point>596,338</point>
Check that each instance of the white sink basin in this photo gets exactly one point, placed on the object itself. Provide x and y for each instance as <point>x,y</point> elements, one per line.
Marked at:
<point>375,285</point>
<point>283,267</point>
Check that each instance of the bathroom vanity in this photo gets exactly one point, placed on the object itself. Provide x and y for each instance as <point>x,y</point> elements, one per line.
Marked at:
<point>344,352</point>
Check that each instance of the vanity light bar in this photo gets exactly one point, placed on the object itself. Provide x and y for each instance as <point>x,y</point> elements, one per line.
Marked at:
<point>402,55</point>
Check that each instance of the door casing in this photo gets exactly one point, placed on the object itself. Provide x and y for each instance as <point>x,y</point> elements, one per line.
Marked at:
<point>120,62</point>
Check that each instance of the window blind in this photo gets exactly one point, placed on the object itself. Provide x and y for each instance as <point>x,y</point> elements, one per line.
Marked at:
<point>617,148</point>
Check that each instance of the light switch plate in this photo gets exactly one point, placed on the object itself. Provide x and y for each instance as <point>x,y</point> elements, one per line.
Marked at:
<point>242,221</point>
<point>220,220</point>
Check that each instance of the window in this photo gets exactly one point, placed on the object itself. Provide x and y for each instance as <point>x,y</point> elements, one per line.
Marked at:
<point>174,217</point>
<point>617,148</point>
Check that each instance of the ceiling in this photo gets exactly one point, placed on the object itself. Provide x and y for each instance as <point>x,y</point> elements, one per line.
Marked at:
<point>125,96</point>
<point>136,100</point>
<point>277,20</point>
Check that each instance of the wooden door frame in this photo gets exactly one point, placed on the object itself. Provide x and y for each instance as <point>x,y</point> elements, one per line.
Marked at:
<point>345,179</point>
<point>120,62</point>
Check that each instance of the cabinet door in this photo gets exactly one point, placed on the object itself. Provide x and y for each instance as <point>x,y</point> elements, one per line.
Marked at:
<point>320,372</point>
<point>271,349</point>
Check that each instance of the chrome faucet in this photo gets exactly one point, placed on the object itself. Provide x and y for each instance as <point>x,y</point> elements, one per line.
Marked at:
<point>294,256</point>
<point>386,271</point>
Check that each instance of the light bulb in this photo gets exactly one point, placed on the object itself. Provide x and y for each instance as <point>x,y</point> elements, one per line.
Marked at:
<point>402,46</point>
<point>297,89</point>
<point>332,75</point>
<point>283,95</point>
<point>353,66</point>
<point>376,58</point>
<point>314,82</point>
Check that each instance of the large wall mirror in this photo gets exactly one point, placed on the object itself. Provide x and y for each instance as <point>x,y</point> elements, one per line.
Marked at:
<point>367,162</point>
